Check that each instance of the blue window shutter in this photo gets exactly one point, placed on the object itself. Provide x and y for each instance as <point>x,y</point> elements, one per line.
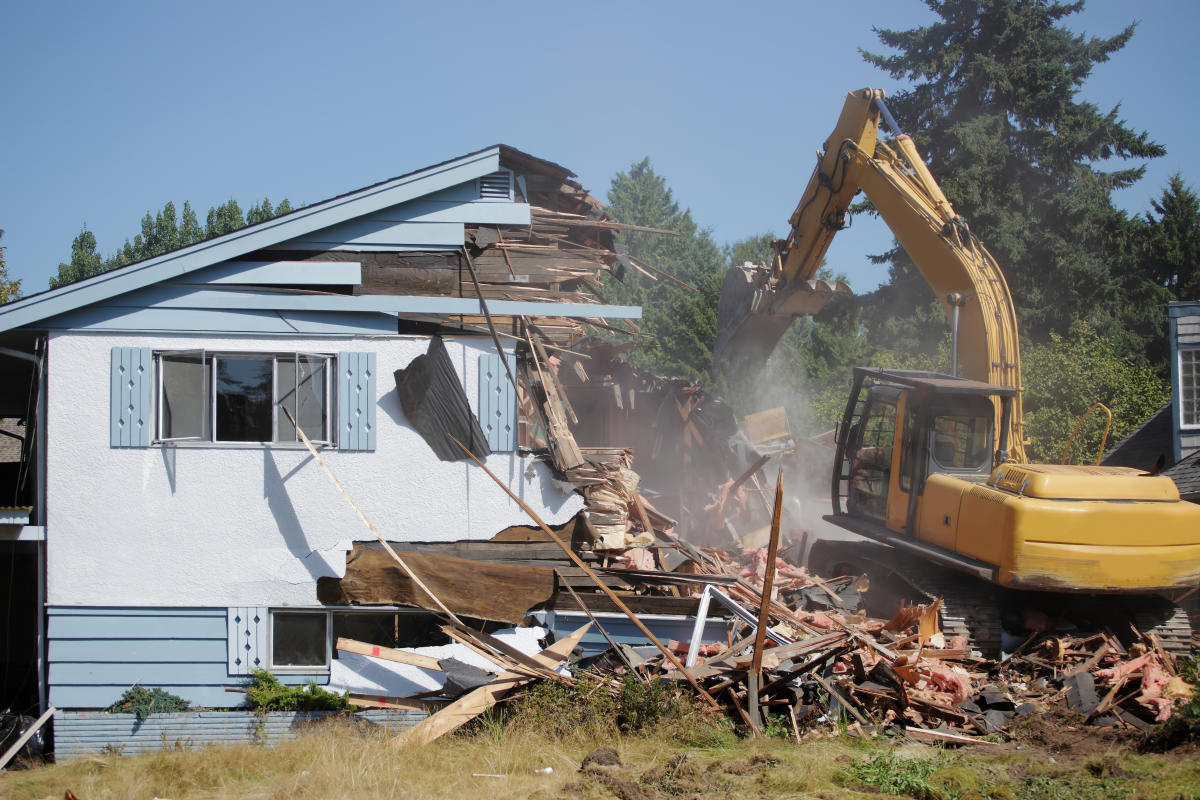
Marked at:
<point>131,411</point>
<point>247,639</point>
<point>356,401</point>
<point>497,404</point>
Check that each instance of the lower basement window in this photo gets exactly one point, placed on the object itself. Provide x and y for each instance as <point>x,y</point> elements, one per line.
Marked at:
<point>300,640</point>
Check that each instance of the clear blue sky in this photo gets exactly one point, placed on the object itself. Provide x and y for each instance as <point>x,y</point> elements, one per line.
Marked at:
<point>112,109</point>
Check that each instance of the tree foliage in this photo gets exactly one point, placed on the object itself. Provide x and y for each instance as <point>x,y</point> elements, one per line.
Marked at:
<point>1065,375</point>
<point>161,233</point>
<point>10,289</point>
<point>995,105</point>
<point>1169,241</point>
<point>679,326</point>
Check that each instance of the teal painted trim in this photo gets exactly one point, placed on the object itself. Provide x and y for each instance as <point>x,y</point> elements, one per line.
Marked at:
<point>497,407</point>
<point>356,401</point>
<point>130,410</point>
<point>191,320</point>
<point>302,222</point>
<point>134,651</point>
<point>230,298</point>
<point>353,234</point>
<point>318,273</point>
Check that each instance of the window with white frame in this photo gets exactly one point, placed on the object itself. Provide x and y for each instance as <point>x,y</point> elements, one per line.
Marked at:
<point>1189,388</point>
<point>243,397</point>
<point>300,640</point>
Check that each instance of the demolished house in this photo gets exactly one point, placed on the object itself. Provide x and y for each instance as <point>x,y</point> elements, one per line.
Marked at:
<point>171,508</point>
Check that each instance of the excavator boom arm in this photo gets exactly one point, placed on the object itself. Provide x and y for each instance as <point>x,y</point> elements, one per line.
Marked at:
<point>962,273</point>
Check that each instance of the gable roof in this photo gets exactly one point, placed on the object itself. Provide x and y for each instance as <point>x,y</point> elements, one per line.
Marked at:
<point>1144,445</point>
<point>1186,475</point>
<point>298,223</point>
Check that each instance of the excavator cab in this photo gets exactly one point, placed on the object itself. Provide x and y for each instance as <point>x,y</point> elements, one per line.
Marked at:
<point>902,426</point>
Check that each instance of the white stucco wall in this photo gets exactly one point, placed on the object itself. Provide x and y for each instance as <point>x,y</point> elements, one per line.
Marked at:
<point>232,526</point>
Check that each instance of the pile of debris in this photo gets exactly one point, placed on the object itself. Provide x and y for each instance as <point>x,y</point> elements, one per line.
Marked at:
<point>801,647</point>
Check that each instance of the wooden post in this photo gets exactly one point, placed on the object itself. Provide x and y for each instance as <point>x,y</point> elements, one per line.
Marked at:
<point>764,607</point>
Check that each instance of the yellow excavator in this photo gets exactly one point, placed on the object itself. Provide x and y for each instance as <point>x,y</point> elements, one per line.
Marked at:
<point>933,466</point>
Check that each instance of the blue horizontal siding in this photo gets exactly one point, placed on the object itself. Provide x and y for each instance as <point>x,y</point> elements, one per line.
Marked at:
<point>77,734</point>
<point>135,650</point>
<point>96,653</point>
<point>152,674</point>
<point>138,624</point>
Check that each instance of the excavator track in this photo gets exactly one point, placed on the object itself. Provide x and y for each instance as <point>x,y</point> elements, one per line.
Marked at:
<point>1174,632</point>
<point>968,609</point>
<point>976,609</point>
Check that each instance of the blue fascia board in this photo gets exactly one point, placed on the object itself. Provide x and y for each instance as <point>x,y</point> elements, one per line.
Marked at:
<point>296,273</point>
<point>255,237</point>
<point>356,233</point>
<point>1176,407</point>
<point>473,213</point>
<point>184,320</point>
<point>1183,308</point>
<point>181,297</point>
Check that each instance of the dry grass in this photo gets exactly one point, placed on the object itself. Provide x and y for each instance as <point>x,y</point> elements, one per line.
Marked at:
<point>657,764</point>
<point>340,762</point>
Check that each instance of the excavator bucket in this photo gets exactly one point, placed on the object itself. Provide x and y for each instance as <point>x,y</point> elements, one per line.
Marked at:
<point>752,317</point>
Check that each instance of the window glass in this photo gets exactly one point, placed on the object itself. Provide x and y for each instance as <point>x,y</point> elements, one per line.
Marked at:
<point>184,398</point>
<point>299,639</point>
<point>300,387</point>
<point>244,395</point>
<point>960,441</point>
<point>908,448</point>
<point>1189,386</point>
<point>879,432</point>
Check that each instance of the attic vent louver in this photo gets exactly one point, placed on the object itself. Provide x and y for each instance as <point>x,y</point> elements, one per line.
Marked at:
<point>497,186</point>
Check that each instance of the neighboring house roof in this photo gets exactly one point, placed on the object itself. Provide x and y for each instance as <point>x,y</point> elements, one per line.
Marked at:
<point>347,215</point>
<point>1186,475</point>
<point>1145,444</point>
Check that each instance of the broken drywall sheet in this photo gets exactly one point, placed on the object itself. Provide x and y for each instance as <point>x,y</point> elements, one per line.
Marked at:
<point>359,674</point>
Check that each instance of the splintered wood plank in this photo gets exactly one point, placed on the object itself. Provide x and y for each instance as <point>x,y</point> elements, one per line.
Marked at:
<point>388,654</point>
<point>474,703</point>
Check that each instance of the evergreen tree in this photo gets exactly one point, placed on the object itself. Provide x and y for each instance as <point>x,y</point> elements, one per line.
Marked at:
<point>1170,245</point>
<point>679,326</point>
<point>995,107</point>
<point>190,231</point>
<point>161,233</point>
<point>9,289</point>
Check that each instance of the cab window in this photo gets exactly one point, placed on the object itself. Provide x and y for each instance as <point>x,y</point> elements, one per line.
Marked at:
<point>961,441</point>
